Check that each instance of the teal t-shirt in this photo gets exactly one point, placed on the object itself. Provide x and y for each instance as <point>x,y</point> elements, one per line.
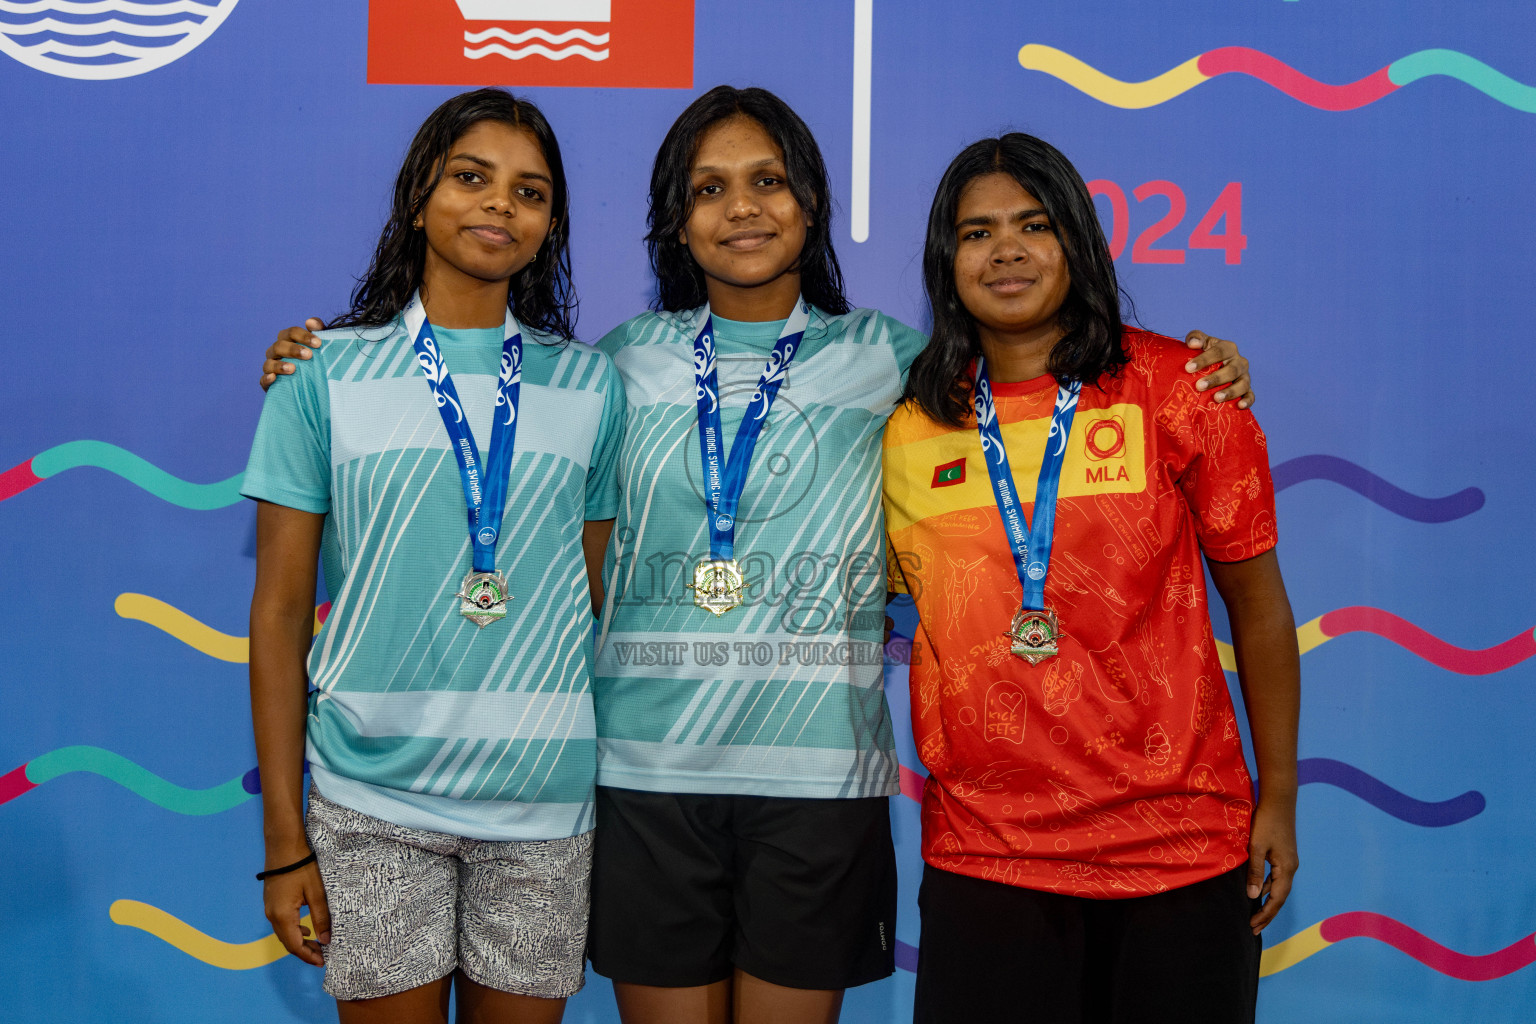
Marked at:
<point>782,696</point>
<point>418,716</point>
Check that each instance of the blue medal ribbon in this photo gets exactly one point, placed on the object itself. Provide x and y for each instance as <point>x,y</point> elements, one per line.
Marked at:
<point>1031,543</point>
<point>485,483</point>
<point>725,473</point>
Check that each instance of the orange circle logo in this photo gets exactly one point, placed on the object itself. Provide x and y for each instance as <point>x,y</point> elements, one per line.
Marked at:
<point>1105,438</point>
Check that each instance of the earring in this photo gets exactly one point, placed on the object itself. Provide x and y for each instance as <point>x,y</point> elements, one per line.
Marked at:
<point>535,258</point>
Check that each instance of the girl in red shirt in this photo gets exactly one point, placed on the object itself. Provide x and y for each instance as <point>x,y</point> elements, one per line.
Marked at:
<point>1092,844</point>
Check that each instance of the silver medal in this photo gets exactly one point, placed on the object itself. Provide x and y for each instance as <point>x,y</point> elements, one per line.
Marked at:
<point>483,598</point>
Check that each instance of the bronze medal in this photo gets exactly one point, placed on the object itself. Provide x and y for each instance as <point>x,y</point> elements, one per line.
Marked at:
<point>1034,635</point>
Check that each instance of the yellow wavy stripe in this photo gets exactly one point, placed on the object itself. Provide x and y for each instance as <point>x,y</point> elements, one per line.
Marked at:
<point>229,956</point>
<point>1130,95</point>
<point>172,620</point>
<point>1308,636</point>
<point>183,627</point>
<point>1292,951</point>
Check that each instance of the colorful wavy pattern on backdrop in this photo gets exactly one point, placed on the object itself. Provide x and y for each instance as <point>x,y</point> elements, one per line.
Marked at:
<point>1361,924</point>
<point>132,776</point>
<point>168,928</point>
<point>137,471</point>
<point>1283,955</point>
<point>204,497</point>
<point>1309,636</point>
<point>1241,60</point>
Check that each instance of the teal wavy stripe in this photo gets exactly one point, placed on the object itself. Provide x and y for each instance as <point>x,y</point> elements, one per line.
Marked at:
<point>137,780</point>
<point>1470,70</point>
<point>101,455</point>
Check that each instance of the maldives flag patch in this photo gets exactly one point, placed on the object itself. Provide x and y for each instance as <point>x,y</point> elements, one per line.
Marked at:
<point>949,474</point>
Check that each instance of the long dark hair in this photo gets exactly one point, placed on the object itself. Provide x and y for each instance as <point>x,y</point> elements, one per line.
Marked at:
<point>542,293</point>
<point>679,280</point>
<point>940,380</point>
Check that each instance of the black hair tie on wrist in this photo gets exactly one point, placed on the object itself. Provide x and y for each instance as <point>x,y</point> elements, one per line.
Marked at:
<point>264,875</point>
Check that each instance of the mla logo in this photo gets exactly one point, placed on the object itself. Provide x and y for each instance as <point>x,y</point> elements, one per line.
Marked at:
<point>605,43</point>
<point>98,40</point>
<point>1104,438</point>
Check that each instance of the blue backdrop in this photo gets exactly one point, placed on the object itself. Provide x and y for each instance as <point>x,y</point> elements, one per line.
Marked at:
<point>199,173</point>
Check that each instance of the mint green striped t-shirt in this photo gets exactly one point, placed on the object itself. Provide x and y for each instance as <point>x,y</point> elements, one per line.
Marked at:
<point>784,695</point>
<point>418,716</point>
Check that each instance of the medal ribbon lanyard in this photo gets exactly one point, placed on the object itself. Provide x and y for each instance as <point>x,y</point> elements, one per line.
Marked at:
<point>725,475</point>
<point>1031,543</point>
<point>485,484</point>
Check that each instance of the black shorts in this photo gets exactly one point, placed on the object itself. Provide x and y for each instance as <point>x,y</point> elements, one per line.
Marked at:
<point>687,887</point>
<point>995,952</point>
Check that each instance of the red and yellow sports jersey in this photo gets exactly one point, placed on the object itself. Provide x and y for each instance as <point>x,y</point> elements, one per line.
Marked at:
<point>1115,768</point>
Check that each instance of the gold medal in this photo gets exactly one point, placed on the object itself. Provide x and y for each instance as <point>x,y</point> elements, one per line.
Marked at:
<point>1034,635</point>
<point>717,585</point>
<point>483,598</point>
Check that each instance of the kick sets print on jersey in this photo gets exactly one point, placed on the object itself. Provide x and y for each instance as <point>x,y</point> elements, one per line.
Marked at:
<point>1115,769</point>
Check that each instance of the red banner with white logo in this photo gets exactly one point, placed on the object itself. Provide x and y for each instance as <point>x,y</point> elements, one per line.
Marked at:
<point>646,44</point>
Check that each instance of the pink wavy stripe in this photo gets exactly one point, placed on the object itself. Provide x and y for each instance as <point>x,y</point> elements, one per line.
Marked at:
<point>17,479</point>
<point>1364,619</point>
<point>1242,60</point>
<point>14,783</point>
<point>1366,925</point>
<point>912,784</point>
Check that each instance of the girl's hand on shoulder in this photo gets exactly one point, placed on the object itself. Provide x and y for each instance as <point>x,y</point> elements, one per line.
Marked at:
<point>283,895</point>
<point>1272,839</point>
<point>1230,368</point>
<point>293,343</point>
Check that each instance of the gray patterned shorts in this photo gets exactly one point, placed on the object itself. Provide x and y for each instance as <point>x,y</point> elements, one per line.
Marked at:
<point>409,906</point>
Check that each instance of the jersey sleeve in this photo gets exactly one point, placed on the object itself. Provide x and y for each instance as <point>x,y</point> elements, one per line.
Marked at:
<point>1228,486</point>
<point>614,340</point>
<point>603,471</point>
<point>290,460</point>
<point>908,344</point>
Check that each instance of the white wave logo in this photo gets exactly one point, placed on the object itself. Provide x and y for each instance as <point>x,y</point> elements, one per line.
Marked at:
<point>104,39</point>
<point>535,41</point>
